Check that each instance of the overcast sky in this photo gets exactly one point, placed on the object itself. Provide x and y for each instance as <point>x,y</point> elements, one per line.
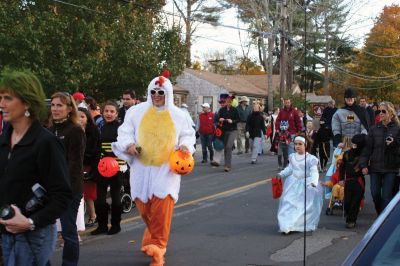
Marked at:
<point>209,38</point>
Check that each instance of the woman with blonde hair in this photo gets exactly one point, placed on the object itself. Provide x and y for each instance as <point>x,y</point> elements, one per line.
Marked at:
<point>65,125</point>
<point>381,156</point>
<point>255,130</point>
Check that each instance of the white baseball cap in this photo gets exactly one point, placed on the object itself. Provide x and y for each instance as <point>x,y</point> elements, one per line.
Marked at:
<point>184,105</point>
<point>205,105</point>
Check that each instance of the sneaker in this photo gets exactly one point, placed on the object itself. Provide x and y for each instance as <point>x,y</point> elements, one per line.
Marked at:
<point>239,152</point>
<point>99,230</point>
<point>253,162</point>
<point>203,161</point>
<point>114,230</point>
<point>227,169</point>
<point>215,164</point>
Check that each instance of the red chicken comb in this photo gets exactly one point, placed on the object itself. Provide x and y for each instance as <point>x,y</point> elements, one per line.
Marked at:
<point>165,73</point>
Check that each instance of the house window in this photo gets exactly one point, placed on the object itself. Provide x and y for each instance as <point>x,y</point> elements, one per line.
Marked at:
<point>209,100</point>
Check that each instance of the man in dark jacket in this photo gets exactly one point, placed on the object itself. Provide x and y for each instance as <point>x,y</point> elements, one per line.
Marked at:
<point>229,117</point>
<point>370,112</point>
<point>128,100</point>
<point>328,113</point>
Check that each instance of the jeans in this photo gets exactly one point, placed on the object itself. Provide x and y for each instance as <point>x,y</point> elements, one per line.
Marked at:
<point>206,142</point>
<point>69,232</point>
<point>382,189</point>
<point>29,248</point>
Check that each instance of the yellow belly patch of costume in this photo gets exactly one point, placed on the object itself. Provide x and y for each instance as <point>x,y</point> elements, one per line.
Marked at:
<point>157,136</point>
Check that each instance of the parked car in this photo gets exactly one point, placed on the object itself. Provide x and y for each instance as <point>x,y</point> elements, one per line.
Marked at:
<point>381,244</point>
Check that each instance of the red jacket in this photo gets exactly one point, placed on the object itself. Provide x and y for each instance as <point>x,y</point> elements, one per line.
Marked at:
<point>206,123</point>
<point>292,117</point>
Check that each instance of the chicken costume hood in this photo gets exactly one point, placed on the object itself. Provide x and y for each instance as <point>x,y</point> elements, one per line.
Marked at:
<point>158,131</point>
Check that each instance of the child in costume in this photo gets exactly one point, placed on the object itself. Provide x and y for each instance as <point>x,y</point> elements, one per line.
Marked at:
<point>353,178</point>
<point>322,143</point>
<point>291,204</point>
<point>108,134</point>
<point>283,140</point>
<point>337,187</point>
<point>159,128</point>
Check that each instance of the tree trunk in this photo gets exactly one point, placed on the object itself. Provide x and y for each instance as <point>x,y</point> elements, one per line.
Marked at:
<point>188,42</point>
<point>327,48</point>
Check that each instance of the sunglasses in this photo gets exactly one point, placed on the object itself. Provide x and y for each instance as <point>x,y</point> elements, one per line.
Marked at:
<point>382,111</point>
<point>158,92</point>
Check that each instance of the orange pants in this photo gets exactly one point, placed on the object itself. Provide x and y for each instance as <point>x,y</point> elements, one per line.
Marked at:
<point>157,214</point>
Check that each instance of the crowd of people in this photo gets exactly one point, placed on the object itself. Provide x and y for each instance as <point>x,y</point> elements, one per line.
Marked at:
<point>49,158</point>
<point>367,138</point>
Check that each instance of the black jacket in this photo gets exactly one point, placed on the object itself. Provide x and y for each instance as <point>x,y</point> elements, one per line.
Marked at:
<point>327,114</point>
<point>380,157</point>
<point>93,147</point>
<point>232,114</point>
<point>37,158</point>
<point>350,167</point>
<point>74,140</point>
<point>255,125</point>
<point>121,114</point>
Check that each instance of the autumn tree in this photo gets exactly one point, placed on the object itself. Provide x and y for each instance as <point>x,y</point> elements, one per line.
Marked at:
<point>378,63</point>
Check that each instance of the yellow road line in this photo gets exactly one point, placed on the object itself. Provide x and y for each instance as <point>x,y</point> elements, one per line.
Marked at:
<point>214,196</point>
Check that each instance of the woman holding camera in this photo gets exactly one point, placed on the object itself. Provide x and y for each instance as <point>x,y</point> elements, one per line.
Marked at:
<point>380,157</point>
<point>31,161</point>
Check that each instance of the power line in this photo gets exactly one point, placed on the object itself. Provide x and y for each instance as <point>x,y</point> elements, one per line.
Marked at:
<point>382,56</point>
<point>335,81</point>
<point>78,6</point>
<point>265,34</point>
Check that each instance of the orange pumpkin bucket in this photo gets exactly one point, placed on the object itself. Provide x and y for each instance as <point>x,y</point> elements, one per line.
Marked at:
<point>108,167</point>
<point>181,163</point>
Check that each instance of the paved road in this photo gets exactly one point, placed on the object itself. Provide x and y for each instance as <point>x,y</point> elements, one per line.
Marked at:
<point>229,219</point>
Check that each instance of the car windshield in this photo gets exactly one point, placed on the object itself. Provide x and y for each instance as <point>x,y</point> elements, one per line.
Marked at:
<point>383,248</point>
<point>389,254</point>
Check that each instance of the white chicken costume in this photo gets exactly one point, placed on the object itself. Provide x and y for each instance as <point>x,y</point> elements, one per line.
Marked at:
<point>158,131</point>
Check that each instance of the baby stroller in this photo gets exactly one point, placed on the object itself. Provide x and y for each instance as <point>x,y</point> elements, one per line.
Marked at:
<point>126,199</point>
<point>336,197</point>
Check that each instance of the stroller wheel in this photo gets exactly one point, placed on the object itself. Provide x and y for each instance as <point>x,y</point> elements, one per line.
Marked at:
<point>127,203</point>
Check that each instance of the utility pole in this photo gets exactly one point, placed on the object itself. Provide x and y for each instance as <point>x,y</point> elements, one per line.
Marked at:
<point>271,45</point>
<point>327,48</point>
<point>290,67</point>
<point>283,62</point>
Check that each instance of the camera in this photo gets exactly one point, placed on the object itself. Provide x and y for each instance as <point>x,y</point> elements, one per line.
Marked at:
<point>389,138</point>
<point>6,212</point>
<point>38,200</point>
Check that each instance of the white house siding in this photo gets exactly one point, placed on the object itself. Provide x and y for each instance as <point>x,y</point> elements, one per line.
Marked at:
<point>199,88</point>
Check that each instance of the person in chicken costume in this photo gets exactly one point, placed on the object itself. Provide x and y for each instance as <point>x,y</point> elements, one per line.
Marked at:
<point>159,128</point>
